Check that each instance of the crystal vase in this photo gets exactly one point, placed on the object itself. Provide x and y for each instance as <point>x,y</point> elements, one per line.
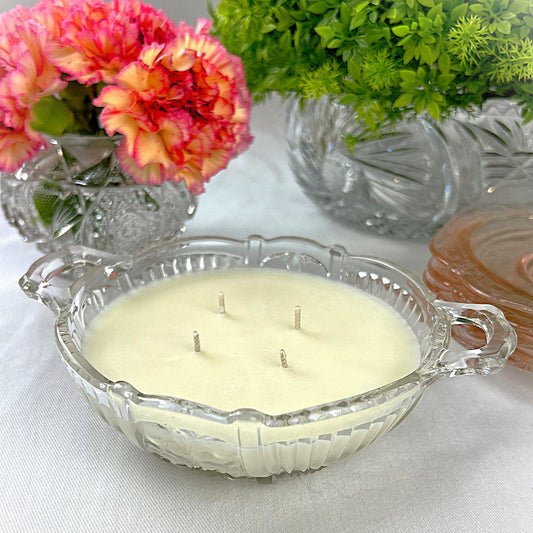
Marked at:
<point>76,192</point>
<point>408,180</point>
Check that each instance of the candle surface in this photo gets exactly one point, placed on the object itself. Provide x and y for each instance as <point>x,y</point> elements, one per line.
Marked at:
<point>349,342</point>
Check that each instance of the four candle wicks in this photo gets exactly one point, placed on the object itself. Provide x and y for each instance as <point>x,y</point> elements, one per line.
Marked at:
<point>222,311</point>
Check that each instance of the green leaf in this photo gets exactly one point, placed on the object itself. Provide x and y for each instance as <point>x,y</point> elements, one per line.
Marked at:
<point>49,203</point>
<point>348,99</point>
<point>335,43</point>
<point>435,51</point>
<point>426,3</point>
<point>527,115</point>
<point>400,31</point>
<point>357,20</point>
<point>433,109</point>
<point>285,41</point>
<point>297,34</point>
<point>359,7</point>
<point>403,100</point>
<point>351,86</point>
<point>409,55</point>
<point>519,6</point>
<point>444,80</point>
<point>425,54</point>
<point>300,16</point>
<point>458,12</point>
<point>267,28</point>
<point>434,11</point>
<point>346,14</point>
<point>353,70</point>
<point>394,15</point>
<point>318,8</point>
<point>504,27</point>
<point>325,32</point>
<point>51,116</point>
<point>370,120</point>
<point>410,4</point>
<point>46,200</point>
<point>425,23</point>
<point>420,104</point>
<point>403,42</point>
<point>420,74</point>
<point>408,75</point>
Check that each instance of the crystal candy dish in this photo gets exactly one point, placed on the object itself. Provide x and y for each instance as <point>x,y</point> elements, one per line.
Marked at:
<point>76,192</point>
<point>77,283</point>
<point>485,255</point>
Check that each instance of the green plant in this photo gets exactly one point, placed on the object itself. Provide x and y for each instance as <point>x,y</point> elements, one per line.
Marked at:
<point>384,58</point>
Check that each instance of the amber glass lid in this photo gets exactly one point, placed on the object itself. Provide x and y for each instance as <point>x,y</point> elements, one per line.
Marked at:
<point>485,255</point>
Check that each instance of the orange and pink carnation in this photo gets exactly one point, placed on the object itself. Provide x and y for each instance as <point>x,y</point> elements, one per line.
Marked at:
<point>98,39</point>
<point>26,76</point>
<point>174,92</point>
<point>182,107</point>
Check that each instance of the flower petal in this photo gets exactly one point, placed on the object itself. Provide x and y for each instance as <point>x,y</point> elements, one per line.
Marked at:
<point>149,148</point>
<point>15,149</point>
<point>142,79</point>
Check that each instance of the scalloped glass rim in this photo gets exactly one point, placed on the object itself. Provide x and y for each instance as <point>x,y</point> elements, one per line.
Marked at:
<point>425,373</point>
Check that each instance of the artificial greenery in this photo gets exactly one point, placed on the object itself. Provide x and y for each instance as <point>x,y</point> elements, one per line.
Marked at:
<point>385,58</point>
<point>72,112</point>
<point>50,203</point>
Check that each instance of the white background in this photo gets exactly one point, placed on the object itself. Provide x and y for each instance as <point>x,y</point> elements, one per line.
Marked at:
<point>461,461</point>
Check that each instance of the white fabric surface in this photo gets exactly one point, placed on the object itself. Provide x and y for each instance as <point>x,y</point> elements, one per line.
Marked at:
<point>460,462</point>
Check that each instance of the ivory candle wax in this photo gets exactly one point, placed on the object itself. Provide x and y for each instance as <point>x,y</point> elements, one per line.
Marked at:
<point>348,342</point>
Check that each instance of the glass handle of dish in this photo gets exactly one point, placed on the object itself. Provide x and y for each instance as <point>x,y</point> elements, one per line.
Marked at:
<point>489,358</point>
<point>49,280</point>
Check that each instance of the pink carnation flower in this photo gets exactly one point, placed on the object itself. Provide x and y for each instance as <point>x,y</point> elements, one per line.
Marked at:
<point>50,14</point>
<point>25,77</point>
<point>97,39</point>
<point>183,109</point>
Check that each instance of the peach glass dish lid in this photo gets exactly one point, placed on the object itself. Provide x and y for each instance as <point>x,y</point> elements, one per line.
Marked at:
<point>497,245</point>
<point>77,283</point>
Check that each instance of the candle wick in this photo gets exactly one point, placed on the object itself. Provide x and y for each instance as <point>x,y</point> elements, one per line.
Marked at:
<point>283,359</point>
<point>297,317</point>
<point>196,341</point>
<point>221,304</point>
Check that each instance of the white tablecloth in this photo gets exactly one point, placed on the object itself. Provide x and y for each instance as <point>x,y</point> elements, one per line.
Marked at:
<point>461,461</point>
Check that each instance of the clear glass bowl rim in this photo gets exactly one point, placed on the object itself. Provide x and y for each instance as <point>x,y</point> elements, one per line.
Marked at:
<point>428,371</point>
